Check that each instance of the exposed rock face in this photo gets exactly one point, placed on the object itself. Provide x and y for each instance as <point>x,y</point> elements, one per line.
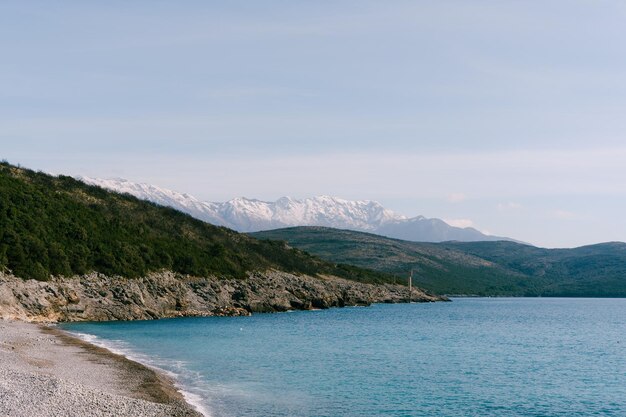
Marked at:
<point>96,297</point>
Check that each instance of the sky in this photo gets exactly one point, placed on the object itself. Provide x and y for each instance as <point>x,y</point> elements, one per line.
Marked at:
<point>508,116</point>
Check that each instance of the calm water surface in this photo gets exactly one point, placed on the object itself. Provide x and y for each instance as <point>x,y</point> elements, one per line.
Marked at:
<point>471,357</point>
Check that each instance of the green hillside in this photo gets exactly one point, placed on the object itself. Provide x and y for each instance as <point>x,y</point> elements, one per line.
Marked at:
<point>60,226</point>
<point>479,268</point>
<point>594,270</point>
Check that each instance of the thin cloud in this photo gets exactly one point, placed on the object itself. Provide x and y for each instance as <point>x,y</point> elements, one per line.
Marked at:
<point>564,215</point>
<point>463,223</point>
<point>456,197</point>
<point>508,206</point>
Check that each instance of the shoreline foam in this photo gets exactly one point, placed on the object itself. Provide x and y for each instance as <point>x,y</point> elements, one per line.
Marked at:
<point>191,398</point>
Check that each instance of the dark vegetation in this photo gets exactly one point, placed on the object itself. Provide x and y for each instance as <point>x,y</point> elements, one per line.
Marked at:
<point>473,268</point>
<point>60,226</point>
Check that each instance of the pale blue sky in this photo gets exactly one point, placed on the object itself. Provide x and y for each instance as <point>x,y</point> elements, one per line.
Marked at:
<point>508,115</point>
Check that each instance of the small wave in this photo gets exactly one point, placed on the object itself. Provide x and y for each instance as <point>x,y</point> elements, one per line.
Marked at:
<point>121,348</point>
<point>196,401</point>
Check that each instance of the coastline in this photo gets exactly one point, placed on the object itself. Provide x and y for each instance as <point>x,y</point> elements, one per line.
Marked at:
<point>165,294</point>
<point>171,378</point>
<point>45,371</point>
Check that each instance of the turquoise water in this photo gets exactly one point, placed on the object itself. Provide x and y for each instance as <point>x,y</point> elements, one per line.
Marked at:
<point>471,357</point>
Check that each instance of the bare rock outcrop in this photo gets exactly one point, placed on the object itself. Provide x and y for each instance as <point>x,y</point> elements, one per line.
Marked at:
<point>96,297</point>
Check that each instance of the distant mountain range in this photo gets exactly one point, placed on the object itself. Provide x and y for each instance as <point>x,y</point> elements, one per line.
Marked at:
<point>248,215</point>
<point>480,268</point>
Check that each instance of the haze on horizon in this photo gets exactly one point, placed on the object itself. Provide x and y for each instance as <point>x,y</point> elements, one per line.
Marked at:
<point>506,116</point>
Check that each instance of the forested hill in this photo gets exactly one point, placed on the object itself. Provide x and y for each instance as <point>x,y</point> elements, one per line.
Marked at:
<point>476,268</point>
<point>60,226</point>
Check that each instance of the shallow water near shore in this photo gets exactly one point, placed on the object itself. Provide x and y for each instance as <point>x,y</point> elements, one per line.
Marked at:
<point>471,357</point>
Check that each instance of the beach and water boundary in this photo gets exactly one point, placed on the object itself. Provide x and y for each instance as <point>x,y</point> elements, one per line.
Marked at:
<point>45,371</point>
<point>152,363</point>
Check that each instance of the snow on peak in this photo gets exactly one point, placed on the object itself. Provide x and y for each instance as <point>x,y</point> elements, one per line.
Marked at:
<point>248,215</point>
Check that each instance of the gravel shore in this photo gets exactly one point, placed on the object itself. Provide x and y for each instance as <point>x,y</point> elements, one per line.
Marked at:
<point>46,372</point>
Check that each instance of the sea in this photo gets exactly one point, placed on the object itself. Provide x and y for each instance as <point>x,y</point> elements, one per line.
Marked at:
<point>469,357</point>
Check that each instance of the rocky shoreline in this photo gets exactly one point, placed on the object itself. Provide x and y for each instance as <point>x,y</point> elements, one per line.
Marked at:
<point>96,297</point>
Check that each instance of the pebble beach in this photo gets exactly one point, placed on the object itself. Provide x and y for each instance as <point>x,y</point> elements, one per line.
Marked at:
<point>46,372</point>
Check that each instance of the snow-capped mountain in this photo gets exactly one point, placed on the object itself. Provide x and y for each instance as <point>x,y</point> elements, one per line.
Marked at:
<point>248,215</point>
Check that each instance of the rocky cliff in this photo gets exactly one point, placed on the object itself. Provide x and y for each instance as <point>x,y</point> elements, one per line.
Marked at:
<point>96,297</point>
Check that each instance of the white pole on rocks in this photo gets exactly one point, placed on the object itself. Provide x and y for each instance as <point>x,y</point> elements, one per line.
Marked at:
<point>410,285</point>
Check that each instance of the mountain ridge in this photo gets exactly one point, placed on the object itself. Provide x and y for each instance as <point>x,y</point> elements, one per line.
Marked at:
<point>252,215</point>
